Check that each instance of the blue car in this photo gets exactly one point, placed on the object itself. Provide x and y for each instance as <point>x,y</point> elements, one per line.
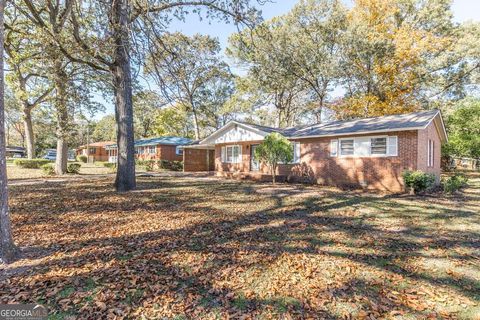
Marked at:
<point>52,155</point>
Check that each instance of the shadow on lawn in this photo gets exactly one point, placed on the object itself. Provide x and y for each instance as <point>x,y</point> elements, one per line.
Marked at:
<point>149,275</point>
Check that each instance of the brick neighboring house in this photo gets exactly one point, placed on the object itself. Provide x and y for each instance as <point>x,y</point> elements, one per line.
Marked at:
<point>160,148</point>
<point>370,153</point>
<point>95,151</point>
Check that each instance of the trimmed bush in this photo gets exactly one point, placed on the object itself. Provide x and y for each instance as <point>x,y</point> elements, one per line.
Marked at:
<point>74,168</point>
<point>100,163</point>
<point>164,164</point>
<point>109,164</point>
<point>31,163</point>
<point>177,165</point>
<point>141,162</point>
<point>48,169</point>
<point>418,181</point>
<point>149,165</point>
<point>82,158</point>
<point>454,183</point>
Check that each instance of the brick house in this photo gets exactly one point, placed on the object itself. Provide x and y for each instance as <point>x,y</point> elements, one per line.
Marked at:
<point>370,153</point>
<point>160,148</point>
<point>94,151</point>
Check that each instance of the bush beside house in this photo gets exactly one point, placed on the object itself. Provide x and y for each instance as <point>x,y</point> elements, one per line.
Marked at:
<point>418,181</point>
<point>31,163</point>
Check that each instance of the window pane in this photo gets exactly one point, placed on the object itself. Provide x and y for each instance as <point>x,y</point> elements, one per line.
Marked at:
<point>379,146</point>
<point>346,147</point>
<point>333,148</point>
<point>229,154</point>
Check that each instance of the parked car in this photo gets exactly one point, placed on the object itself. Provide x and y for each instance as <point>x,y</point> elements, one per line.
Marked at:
<point>71,155</point>
<point>51,154</point>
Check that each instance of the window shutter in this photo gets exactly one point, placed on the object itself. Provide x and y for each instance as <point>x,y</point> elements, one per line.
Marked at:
<point>296,152</point>
<point>433,153</point>
<point>239,160</point>
<point>223,154</point>
<point>333,148</point>
<point>392,146</point>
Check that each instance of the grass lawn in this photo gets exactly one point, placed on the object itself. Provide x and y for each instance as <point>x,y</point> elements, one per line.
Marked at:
<point>203,248</point>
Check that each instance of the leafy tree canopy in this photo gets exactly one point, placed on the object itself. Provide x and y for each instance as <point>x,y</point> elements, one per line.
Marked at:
<point>463,127</point>
<point>274,149</point>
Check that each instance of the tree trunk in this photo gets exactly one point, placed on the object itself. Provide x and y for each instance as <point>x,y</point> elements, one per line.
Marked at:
<point>62,117</point>
<point>274,174</point>
<point>7,247</point>
<point>27,123</point>
<point>195,120</point>
<point>122,80</point>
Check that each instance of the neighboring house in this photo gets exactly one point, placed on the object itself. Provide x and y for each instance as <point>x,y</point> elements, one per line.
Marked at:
<point>95,151</point>
<point>371,153</point>
<point>15,152</point>
<point>466,163</point>
<point>160,148</point>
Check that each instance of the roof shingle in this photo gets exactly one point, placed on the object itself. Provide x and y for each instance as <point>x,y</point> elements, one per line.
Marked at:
<point>407,121</point>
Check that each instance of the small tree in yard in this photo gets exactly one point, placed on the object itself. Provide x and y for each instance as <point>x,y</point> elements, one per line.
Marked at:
<point>274,149</point>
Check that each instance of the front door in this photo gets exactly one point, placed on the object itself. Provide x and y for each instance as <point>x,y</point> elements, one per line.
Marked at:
<point>254,163</point>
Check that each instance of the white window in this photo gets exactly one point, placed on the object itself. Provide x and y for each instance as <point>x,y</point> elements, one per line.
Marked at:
<point>362,146</point>
<point>333,148</point>
<point>392,147</point>
<point>223,158</point>
<point>232,154</point>
<point>152,149</point>
<point>347,147</point>
<point>296,152</point>
<point>430,153</point>
<point>378,146</point>
<point>178,151</point>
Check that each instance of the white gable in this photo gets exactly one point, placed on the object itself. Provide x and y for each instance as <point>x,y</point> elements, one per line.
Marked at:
<point>237,134</point>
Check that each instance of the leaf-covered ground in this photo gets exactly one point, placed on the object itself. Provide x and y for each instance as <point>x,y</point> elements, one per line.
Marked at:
<point>204,248</point>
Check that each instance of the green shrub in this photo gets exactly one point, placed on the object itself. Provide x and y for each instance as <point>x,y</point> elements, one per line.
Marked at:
<point>149,165</point>
<point>31,163</point>
<point>73,168</point>
<point>82,158</point>
<point>454,183</point>
<point>100,163</point>
<point>48,169</point>
<point>140,162</point>
<point>164,164</point>
<point>418,181</point>
<point>109,164</point>
<point>177,165</point>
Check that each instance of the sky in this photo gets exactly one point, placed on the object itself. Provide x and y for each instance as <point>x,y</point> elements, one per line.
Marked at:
<point>463,10</point>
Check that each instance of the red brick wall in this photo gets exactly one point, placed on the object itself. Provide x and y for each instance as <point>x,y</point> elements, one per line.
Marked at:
<point>384,173</point>
<point>429,133</point>
<point>195,160</point>
<point>99,155</point>
<point>167,152</point>
<point>163,152</point>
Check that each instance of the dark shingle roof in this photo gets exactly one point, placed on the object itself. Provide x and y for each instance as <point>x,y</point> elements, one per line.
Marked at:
<point>174,141</point>
<point>407,121</point>
<point>163,140</point>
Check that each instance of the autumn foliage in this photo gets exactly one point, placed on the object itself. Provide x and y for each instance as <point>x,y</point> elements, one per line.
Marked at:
<point>388,49</point>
